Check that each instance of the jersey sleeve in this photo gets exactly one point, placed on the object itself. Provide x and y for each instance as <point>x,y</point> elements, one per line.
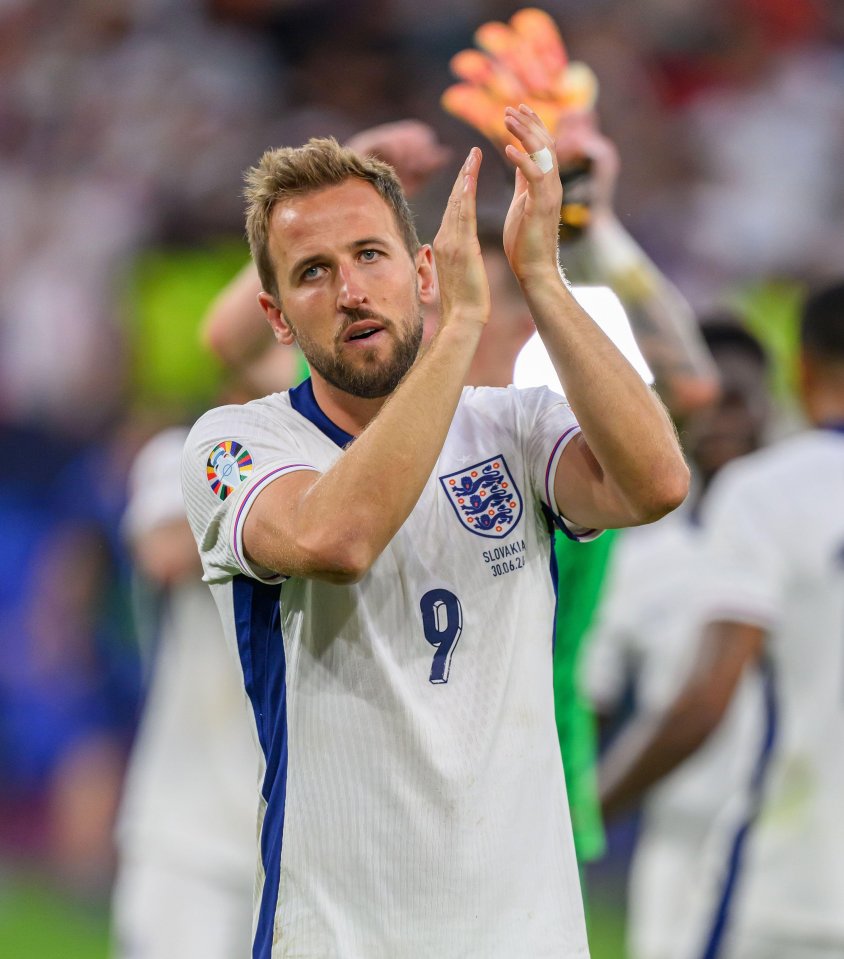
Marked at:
<point>744,577</point>
<point>231,454</point>
<point>155,492</point>
<point>550,426</point>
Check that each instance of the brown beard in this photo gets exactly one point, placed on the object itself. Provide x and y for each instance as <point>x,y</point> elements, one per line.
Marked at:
<point>371,379</point>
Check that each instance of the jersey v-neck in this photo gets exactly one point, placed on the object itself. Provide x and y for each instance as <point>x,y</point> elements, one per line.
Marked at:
<point>302,400</point>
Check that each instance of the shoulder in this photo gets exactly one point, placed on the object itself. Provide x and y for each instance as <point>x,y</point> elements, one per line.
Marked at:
<point>231,445</point>
<point>257,414</point>
<point>254,422</point>
<point>787,468</point>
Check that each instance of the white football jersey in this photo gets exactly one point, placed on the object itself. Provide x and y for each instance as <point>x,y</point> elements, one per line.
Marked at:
<point>647,632</point>
<point>775,530</point>
<point>413,799</point>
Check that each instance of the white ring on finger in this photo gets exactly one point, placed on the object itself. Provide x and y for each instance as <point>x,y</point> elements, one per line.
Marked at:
<point>543,159</point>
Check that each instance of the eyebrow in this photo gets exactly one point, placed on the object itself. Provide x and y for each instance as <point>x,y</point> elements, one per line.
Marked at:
<point>307,261</point>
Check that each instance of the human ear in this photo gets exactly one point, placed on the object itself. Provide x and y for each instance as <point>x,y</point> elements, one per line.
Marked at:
<point>426,278</point>
<point>278,323</point>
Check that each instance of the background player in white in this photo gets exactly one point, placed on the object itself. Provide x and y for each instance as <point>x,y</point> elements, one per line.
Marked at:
<point>774,526</point>
<point>412,806</point>
<point>646,635</point>
<point>186,829</point>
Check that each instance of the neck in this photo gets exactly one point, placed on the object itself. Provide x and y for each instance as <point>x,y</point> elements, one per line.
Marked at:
<point>351,413</point>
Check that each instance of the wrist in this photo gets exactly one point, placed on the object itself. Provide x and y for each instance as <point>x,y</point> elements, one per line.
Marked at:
<point>620,261</point>
<point>613,245</point>
<point>459,330</point>
<point>534,281</point>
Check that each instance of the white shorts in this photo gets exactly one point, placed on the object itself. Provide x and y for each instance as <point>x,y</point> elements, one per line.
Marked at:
<point>662,906</point>
<point>162,913</point>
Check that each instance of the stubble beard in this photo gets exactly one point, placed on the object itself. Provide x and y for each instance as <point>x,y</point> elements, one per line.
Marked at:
<point>370,377</point>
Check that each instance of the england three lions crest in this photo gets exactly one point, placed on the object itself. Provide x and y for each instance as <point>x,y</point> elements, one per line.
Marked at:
<point>484,497</point>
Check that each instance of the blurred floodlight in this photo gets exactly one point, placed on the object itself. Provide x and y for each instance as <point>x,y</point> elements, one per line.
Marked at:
<point>534,366</point>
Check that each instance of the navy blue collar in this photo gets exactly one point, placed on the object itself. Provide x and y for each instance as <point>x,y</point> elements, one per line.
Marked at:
<point>836,426</point>
<point>302,400</point>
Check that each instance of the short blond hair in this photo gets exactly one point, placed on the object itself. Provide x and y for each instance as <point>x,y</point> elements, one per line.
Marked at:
<point>294,171</point>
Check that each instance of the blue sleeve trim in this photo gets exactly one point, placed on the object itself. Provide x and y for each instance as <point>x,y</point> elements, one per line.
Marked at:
<point>260,643</point>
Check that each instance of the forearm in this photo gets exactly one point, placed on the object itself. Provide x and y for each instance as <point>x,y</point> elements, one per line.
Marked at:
<point>234,329</point>
<point>649,749</point>
<point>340,516</point>
<point>662,320</point>
<point>624,423</point>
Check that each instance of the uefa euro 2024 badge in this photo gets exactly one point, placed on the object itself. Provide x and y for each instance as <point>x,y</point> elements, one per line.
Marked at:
<point>485,497</point>
<point>229,464</point>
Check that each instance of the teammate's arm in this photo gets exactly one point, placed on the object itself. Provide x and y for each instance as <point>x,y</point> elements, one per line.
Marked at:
<point>626,467</point>
<point>661,318</point>
<point>651,746</point>
<point>334,525</point>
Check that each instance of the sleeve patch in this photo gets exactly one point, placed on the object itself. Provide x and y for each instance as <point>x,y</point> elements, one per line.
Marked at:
<point>229,464</point>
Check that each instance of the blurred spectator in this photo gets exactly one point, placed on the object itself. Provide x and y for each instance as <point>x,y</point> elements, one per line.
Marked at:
<point>186,832</point>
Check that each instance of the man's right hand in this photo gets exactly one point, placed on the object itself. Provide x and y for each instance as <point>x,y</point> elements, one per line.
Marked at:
<point>463,284</point>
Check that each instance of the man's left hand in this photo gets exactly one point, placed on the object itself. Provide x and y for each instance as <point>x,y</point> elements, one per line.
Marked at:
<point>530,229</point>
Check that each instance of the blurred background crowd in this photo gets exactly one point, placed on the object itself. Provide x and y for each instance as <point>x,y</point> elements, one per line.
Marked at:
<point>125,126</point>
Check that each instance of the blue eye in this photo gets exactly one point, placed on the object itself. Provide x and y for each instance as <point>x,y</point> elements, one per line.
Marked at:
<point>310,273</point>
<point>370,255</point>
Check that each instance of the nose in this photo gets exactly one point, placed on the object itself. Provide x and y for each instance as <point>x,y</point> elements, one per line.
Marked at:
<point>350,294</point>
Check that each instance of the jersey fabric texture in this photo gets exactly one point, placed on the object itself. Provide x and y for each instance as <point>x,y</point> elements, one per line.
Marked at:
<point>775,531</point>
<point>581,572</point>
<point>186,826</point>
<point>645,637</point>
<point>413,800</point>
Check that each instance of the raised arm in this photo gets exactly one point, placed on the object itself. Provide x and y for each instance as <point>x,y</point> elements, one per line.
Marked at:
<point>411,147</point>
<point>626,467</point>
<point>662,320</point>
<point>234,328</point>
<point>329,526</point>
